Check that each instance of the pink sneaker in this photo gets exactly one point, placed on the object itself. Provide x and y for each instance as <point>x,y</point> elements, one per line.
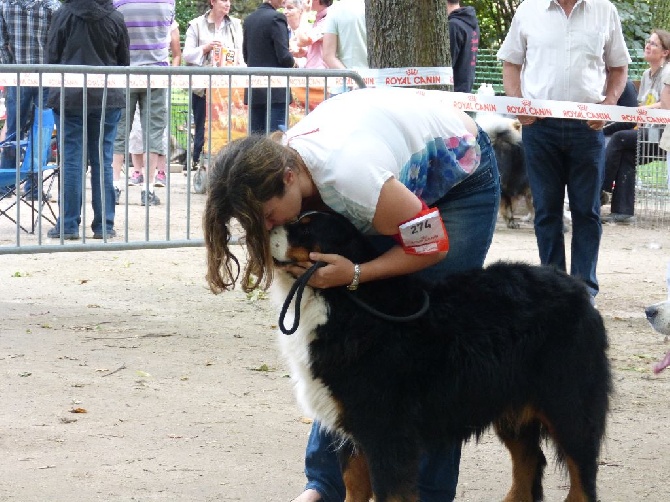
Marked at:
<point>136,179</point>
<point>160,179</point>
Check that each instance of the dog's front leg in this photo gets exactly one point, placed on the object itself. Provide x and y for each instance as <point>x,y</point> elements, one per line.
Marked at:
<point>355,473</point>
<point>385,474</point>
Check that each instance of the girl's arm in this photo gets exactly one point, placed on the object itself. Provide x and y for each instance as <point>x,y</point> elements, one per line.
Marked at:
<point>395,206</point>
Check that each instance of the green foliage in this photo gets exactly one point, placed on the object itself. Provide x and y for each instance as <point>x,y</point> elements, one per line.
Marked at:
<point>185,10</point>
<point>636,21</point>
<point>495,17</point>
<point>661,15</point>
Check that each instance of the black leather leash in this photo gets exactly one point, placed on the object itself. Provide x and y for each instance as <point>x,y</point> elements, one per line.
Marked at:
<point>393,318</point>
<point>299,287</point>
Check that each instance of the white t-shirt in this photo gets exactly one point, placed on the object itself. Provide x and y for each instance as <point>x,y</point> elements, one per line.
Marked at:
<point>346,19</point>
<point>564,58</point>
<point>353,143</point>
<point>651,87</point>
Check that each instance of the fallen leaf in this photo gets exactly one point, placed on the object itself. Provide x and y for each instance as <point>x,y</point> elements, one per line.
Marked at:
<point>78,410</point>
<point>25,374</point>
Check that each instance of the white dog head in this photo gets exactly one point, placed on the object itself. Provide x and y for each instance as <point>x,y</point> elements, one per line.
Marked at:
<point>658,316</point>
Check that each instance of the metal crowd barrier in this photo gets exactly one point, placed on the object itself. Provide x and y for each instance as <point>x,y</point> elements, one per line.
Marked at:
<point>652,188</point>
<point>176,222</point>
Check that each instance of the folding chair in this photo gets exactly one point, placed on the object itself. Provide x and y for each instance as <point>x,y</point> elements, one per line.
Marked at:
<point>34,165</point>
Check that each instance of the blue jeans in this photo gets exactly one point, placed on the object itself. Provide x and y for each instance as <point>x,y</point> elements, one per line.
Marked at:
<point>469,212</point>
<point>258,113</point>
<point>560,153</point>
<point>28,97</point>
<point>199,120</point>
<point>74,171</point>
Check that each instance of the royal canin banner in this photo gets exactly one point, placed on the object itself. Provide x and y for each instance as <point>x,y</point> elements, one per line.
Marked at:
<point>403,77</point>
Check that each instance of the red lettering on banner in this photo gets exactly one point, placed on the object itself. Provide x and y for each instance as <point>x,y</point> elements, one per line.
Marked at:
<point>598,116</point>
<point>369,81</point>
<point>540,112</point>
<point>463,106</point>
<point>657,120</point>
<point>397,81</point>
<point>486,107</point>
<point>426,80</point>
<point>517,110</point>
<point>571,114</point>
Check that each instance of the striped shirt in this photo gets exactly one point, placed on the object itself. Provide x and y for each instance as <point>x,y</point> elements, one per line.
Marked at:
<point>148,23</point>
<point>23,30</point>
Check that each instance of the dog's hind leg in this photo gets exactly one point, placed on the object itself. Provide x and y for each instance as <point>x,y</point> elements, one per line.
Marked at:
<point>528,462</point>
<point>580,454</point>
<point>507,211</point>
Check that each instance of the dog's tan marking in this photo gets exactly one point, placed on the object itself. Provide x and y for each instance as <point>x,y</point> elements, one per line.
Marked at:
<point>356,476</point>
<point>300,254</point>
<point>524,464</point>
<point>576,493</point>
<point>297,254</point>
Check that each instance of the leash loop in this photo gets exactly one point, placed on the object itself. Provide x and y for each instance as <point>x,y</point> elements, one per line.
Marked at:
<point>388,317</point>
<point>299,287</point>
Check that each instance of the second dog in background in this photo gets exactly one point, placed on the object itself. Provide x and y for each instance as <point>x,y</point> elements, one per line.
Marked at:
<point>505,134</point>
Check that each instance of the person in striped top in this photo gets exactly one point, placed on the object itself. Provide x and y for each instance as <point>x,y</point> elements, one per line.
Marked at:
<point>148,24</point>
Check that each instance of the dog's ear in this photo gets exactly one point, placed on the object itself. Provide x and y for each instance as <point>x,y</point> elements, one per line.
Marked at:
<point>516,125</point>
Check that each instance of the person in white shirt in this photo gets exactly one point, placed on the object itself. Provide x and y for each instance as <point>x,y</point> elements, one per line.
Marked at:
<point>568,50</point>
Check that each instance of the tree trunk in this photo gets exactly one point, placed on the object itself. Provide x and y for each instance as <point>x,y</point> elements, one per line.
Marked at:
<point>407,33</point>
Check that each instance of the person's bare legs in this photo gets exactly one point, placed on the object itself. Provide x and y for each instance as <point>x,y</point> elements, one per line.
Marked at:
<point>138,162</point>
<point>308,495</point>
<point>148,194</point>
<point>117,164</point>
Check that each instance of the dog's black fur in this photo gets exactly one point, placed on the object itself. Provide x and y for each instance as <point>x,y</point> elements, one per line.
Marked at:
<point>515,346</point>
<point>505,135</point>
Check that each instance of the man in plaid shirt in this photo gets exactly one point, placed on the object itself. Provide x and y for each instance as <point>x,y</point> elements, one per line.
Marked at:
<point>23,36</point>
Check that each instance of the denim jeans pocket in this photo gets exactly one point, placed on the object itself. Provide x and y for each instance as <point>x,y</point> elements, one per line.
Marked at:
<point>482,178</point>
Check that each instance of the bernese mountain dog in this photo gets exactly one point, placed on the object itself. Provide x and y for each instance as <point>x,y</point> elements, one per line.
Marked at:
<point>513,346</point>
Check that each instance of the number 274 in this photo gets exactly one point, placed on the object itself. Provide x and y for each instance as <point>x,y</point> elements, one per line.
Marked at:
<point>420,226</point>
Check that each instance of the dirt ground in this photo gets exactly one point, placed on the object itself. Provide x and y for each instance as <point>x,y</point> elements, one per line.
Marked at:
<point>182,395</point>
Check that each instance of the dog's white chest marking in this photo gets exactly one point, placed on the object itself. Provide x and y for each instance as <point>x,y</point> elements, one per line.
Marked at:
<point>313,396</point>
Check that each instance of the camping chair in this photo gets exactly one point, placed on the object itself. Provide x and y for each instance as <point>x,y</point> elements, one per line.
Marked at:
<point>34,165</point>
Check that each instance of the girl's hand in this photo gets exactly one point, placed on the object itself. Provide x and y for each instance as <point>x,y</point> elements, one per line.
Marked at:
<point>339,271</point>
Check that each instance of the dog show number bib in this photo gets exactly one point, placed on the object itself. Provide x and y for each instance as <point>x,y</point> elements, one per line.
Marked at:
<point>424,234</point>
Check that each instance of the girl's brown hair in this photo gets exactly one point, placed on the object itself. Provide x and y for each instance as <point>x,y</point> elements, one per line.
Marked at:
<point>246,173</point>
